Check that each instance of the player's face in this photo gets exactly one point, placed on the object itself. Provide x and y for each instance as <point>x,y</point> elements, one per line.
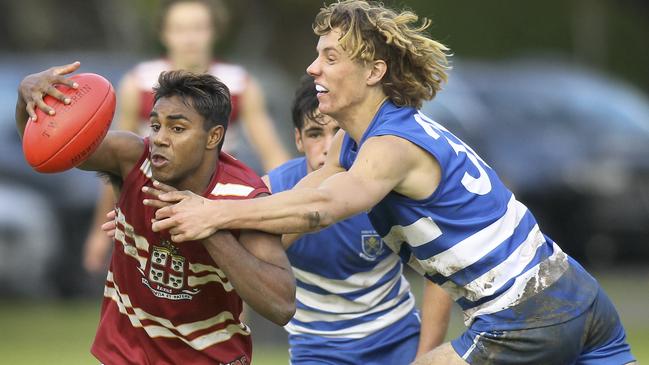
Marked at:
<point>178,141</point>
<point>314,140</point>
<point>188,32</point>
<point>340,81</point>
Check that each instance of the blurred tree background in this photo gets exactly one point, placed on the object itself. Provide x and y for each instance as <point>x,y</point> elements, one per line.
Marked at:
<point>610,35</point>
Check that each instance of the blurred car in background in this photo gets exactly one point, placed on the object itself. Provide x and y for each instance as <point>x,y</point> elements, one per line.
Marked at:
<point>44,217</point>
<point>572,144</point>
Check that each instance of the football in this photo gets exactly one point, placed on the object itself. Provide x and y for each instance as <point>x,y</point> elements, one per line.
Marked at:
<point>59,142</point>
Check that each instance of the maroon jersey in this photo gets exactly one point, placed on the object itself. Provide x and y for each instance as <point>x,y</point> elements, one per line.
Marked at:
<point>168,303</point>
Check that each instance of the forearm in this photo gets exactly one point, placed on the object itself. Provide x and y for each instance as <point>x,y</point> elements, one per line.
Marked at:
<point>288,212</point>
<point>435,314</point>
<point>268,289</point>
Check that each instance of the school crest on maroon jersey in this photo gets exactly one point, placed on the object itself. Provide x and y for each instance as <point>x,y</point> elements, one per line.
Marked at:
<point>166,276</point>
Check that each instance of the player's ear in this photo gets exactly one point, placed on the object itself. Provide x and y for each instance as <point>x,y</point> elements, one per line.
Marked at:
<point>298,140</point>
<point>377,70</point>
<point>214,137</point>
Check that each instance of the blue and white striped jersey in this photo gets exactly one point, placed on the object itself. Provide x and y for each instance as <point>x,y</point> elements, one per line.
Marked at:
<point>348,284</point>
<point>472,236</point>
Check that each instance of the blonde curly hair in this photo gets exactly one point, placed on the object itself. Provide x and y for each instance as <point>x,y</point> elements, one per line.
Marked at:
<point>416,64</point>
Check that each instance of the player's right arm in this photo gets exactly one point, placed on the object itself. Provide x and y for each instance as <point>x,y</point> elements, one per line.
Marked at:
<point>118,152</point>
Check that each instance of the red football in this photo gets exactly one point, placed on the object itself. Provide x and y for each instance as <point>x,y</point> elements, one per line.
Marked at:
<point>67,138</point>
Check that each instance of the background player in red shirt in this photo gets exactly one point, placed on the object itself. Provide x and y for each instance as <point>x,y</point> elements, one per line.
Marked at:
<point>188,32</point>
<point>165,302</point>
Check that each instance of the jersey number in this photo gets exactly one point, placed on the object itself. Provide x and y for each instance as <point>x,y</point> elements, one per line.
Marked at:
<point>480,185</point>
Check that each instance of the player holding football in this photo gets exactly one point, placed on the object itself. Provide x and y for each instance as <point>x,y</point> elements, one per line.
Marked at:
<point>357,306</point>
<point>432,199</point>
<point>188,31</point>
<point>353,303</point>
<point>165,302</point>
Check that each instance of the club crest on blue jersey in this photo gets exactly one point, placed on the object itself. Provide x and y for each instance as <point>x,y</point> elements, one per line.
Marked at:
<point>371,245</point>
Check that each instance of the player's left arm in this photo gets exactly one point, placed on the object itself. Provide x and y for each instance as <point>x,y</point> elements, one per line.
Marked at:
<point>381,165</point>
<point>259,271</point>
<point>435,314</point>
<point>255,263</point>
<point>259,127</point>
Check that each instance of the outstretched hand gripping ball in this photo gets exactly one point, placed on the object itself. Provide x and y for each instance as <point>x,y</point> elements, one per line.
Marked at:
<point>59,142</point>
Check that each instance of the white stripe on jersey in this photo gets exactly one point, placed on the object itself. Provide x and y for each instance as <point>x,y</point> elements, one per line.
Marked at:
<point>146,168</point>
<point>217,275</point>
<point>520,290</point>
<point>194,281</point>
<point>305,315</point>
<point>494,279</point>
<point>362,330</point>
<point>335,303</point>
<point>165,327</point>
<point>140,242</point>
<point>416,234</point>
<point>199,268</point>
<point>231,190</point>
<point>478,245</point>
<point>352,283</point>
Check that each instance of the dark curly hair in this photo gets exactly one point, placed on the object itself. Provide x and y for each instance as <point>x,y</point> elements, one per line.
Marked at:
<point>203,92</point>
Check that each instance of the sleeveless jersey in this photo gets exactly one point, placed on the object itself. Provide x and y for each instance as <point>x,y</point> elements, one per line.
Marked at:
<point>348,284</point>
<point>233,76</point>
<point>471,236</point>
<point>163,301</point>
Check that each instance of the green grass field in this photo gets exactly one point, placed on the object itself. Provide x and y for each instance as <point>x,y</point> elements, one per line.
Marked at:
<point>61,332</point>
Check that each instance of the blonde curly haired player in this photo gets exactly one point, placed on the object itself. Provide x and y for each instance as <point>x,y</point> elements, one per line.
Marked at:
<point>430,197</point>
<point>416,65</point>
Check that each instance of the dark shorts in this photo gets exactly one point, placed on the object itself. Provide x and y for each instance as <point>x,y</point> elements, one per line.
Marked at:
<point>592,338</point>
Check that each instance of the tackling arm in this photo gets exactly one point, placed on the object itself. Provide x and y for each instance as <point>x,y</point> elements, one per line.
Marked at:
<point>382,163</point>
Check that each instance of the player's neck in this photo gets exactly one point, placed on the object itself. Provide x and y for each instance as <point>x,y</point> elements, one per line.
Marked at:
<point>198,181</point>
<point>355,121</point>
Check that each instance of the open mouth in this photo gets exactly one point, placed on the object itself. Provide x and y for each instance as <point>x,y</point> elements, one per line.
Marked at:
<point>321,89</point>
<point>158,160</point>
